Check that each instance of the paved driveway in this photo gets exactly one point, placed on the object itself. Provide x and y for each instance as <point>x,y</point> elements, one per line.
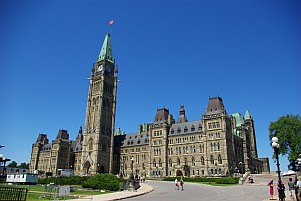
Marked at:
<point>165,191</point>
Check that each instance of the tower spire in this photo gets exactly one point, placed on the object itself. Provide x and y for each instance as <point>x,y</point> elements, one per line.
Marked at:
<point>106,50</point>
<point>182,117</point>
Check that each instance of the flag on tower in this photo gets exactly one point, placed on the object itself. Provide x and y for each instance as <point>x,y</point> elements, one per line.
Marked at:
<point>111,22</point>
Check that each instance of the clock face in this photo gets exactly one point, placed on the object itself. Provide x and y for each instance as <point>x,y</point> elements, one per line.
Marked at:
<point>108,68</point>
<point>99,68</point>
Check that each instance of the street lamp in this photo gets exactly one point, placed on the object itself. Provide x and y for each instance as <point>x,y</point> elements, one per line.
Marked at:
<point>132,173</point>
<point>276,147</point>
<point>3,160</point>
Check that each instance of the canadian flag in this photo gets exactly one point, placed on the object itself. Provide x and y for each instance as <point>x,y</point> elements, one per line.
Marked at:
<point>111,22</point>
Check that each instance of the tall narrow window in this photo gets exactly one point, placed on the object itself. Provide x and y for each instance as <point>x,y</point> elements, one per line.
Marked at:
<point>219,159</point>
<point>202,161</point>
<point>211,160</point>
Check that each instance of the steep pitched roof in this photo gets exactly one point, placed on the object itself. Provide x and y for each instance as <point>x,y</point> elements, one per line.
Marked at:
<point>186,128</point>
<point>247,115</point>
<point>106,50</point>
<point>215,105</point>
<point>161,115</point>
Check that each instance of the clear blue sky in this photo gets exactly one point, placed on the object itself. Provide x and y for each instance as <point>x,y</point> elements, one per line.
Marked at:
<point>168,52</point>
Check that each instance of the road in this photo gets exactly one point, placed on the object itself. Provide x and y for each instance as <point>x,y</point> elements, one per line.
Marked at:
<point>165,191</point>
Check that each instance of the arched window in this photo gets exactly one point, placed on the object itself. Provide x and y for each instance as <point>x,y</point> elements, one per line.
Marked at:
<point>104,146</point>
<point>201,148</point>
<point>211,160</point>
<point>214,147</point>
<point>160,163</point>
<point>218,146</point>
<point>170,162</point>
<point>193,161</point>
<point>90,145</point>
<point>211,147</point>
<point>219,159</point>
<point>185,161</point>
<point>202,161</point>
<point>179,162</point>
<point>155,163</point>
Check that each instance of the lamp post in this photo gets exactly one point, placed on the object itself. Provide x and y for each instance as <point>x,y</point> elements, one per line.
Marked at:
<point>3,160</point>
<point>132,173</point>
<point>276,147</point>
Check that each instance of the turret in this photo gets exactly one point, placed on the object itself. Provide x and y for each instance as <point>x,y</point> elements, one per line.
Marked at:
<point>182,117</point>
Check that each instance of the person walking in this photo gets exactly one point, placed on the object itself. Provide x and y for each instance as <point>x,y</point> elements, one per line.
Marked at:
<point>271,185</point>
<point>298,186</point>
<point>182,184</point>
<point>291,188</point>
<point>176,184</point>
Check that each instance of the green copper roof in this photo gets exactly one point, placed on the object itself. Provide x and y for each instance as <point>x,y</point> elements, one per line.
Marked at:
<point>247,115</point>
<point>238,118</point>
<point>106,50</point>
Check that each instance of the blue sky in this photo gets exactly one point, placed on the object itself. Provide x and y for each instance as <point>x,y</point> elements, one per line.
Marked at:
<point>168,52</point>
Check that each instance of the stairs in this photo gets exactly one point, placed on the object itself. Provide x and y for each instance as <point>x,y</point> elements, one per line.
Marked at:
<point>264,179</point>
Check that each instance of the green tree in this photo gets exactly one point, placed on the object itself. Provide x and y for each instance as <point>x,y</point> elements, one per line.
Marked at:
<point>288,131</point>
<point>12,164</point>
<point>24,165</point>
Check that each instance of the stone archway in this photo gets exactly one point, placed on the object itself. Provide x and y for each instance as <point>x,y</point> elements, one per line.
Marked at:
<point>179,173</point>
<point>102,169</point>
<point>87,166</point>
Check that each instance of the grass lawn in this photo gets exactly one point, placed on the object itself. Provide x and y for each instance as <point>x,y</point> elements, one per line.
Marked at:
<point>39,192</point>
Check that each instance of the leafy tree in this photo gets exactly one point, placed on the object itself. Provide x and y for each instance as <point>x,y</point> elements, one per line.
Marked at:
<point>288,131</point>
<point>24,165</point>
<point>12,164</point>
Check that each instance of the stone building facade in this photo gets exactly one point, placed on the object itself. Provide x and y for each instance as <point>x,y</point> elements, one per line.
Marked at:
<point>219,144</point>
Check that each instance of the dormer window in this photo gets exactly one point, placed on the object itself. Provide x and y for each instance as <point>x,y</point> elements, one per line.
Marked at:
<point>192,128</point>
<point>179,130</point>
<point>185,129</point>
<point>172,131</point>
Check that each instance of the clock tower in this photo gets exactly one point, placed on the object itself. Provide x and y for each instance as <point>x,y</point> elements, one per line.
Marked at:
<point>98,139</point>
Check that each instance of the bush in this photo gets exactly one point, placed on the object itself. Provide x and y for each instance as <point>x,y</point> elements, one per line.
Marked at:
<point>103,182</point>
<point>63,180</point>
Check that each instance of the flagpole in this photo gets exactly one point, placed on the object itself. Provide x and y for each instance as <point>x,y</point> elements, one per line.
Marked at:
<point>109,25</point>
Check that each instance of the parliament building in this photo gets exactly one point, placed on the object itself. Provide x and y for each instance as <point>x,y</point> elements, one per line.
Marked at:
<point>219,144</point>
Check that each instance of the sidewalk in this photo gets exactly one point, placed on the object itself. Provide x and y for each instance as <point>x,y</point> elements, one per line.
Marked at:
<point>118,195</point>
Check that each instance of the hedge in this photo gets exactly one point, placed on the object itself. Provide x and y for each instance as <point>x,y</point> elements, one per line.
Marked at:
<point>63,180</point>
<point>103,182</point>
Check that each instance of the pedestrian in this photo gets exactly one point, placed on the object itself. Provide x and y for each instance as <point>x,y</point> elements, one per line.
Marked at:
<point>271,185</point>
<point>281,188</point>
<point>176,184</point>
<point>251,180</point>
<point>298,186</point>
<point>182,184</point>
<point>291,188</point>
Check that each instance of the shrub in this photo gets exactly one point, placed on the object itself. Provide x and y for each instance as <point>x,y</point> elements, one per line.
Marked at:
<point>63,180</point>
<point>103,181</point>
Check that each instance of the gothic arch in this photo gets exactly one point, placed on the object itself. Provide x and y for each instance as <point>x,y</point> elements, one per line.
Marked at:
<point>90,144</point>
<point>179,173</point>
<point>87,166</point>
<point>102,169</point>
<point>104,145</point>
